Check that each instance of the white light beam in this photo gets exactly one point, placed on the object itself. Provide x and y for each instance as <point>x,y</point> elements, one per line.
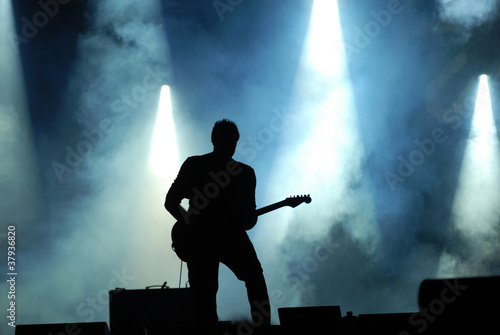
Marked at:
<point>164,153</point>
<point>475,210</point>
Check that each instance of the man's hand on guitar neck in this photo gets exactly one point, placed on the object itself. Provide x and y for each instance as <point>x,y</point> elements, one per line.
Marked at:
<point>250,221</point>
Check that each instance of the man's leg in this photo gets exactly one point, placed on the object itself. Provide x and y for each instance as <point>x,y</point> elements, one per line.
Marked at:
<point>258,299</point>
<point>240,257</point>
<point>203,279</point>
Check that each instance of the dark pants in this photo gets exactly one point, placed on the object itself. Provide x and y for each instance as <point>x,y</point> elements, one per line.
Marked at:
<point>238,254</point>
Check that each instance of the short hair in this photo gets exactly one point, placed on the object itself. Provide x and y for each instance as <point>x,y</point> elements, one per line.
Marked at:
<point>225,131</point>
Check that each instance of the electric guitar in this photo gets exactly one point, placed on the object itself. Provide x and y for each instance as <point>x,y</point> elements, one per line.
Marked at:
<point>184,236</point>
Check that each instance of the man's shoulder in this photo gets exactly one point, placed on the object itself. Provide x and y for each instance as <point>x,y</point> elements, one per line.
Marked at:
<point>197,159</point>
<point>207,160</point>
<point>193,165</point>
<point>242,166</point>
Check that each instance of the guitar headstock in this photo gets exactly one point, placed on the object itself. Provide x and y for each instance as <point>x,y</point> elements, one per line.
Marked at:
<point>294,201</point>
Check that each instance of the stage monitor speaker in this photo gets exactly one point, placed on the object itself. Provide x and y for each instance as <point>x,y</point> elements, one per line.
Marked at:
<point>317,319</point>
<point>460,306</point>
<point>81,328</point>
<point>386,323</point>
<point>150,311</point>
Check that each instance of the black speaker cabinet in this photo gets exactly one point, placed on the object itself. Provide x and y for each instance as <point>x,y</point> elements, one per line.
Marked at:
<point>386,323</point>
<point>150,311</point>
<point>459,306</point>
<point>82,328</point>
<point>315,319</point>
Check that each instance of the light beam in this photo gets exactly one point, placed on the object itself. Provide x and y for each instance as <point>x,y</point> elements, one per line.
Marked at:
<point>475,211</point>
<point>21,203</point>
<point>164,157</point>
<point>328,151</point>
<point>321,152</point>
<point>18,169</point>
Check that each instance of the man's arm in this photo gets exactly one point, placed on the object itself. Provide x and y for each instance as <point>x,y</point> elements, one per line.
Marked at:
<point>176,193</point>
<point>173,206</point>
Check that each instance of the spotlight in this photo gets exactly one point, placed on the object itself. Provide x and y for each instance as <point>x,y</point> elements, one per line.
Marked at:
<point>164,154</point>
<point>475,208</point>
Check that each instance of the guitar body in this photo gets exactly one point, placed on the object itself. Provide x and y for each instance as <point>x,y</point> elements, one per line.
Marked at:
<point>184,240</point>
<point>187,240</point>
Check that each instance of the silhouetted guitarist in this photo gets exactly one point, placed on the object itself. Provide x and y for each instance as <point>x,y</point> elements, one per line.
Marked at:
<point>221,193</point>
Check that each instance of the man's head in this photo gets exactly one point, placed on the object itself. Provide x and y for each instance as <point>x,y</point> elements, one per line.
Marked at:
<point>225,135</point>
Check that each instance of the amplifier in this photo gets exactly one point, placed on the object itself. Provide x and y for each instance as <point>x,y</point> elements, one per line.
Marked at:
<point>459,306</point>
<point>314,319</point>
<point>80,328</point>
<point>150,311</point>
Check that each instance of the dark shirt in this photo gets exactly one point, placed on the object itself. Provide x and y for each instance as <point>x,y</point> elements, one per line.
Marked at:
<point>221,193</point>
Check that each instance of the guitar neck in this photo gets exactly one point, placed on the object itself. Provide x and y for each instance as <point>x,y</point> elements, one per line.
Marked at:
<point>270,208</point>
